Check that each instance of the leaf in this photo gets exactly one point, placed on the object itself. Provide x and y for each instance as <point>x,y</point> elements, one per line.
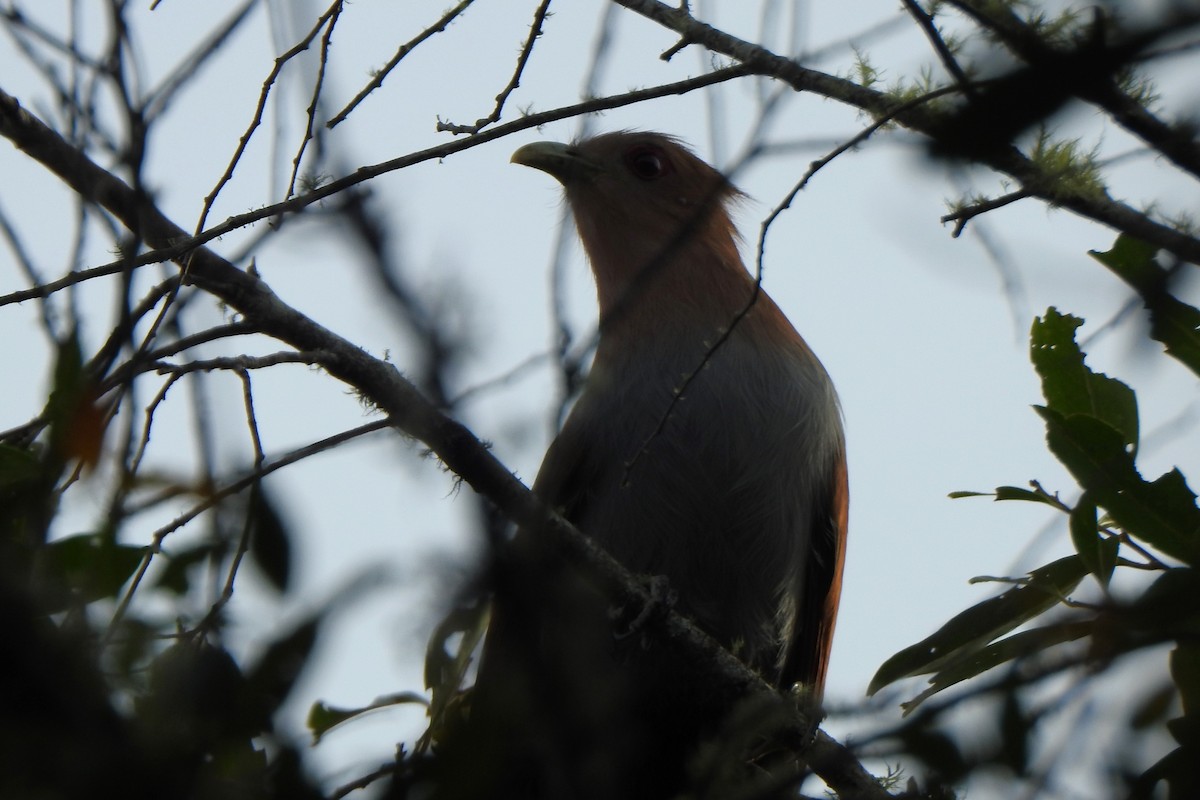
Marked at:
<point>447,658</point>
<point>970,630</point>
<point>1017,493</point>
<point>1019,645</point>
<point>76,422</point>
<point>937,749</point>
<point>1153,708</point>
<point>1027,495</point>
<point>1099,553</point>
<point>1174,593</point>
<point>1172,322</point>
<point>174,577</point>
<point>85,568</point>
<point>1185,671</point>
<point>1163,513</point>
<point>322,718</point>
<point>1012,493</point>
<point>270,545</point>
<point>1015,729</point>
<point>446,664</point>
<point>272,678</point>
<point>192,695</point>
<point>1070,387</point>
<point>1177,768</point>
<point>27,502</point>
<point>18,468</point>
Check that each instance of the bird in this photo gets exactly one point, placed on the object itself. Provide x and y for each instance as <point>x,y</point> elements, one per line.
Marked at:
<point>739,497</point>
<point>706,448</point>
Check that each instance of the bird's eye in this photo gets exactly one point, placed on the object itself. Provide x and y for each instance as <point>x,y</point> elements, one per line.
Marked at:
<point>647,163</point>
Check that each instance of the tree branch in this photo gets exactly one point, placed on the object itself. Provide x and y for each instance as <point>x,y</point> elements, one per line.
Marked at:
<point>923,119</point>
<point>380,383</point>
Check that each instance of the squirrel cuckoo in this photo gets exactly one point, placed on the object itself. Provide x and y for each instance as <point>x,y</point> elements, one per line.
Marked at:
<point>740,499</point>
<point>719,464</point>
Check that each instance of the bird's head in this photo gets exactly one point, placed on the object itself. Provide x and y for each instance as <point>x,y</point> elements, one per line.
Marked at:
<point>653,217</point>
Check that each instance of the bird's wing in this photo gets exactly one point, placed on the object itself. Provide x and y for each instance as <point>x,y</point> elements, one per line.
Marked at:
<point>807,659</point>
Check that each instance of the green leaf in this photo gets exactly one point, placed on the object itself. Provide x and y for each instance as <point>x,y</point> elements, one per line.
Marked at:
<point>1172,322</point>
<point>961,494</point>
<point>972,629</point>
<point>1177,768</point>
<point>1152,711</point>
<point>1175,592</point>
<point>1026,495</point>
<point>272,678</point>
<point>76,423</point>
<point>1185,671</point>
<point>175,576</point>
<point>192,696</point>
<point>27,503</point>
<point>447,658</point>
<point>448,655</point>
<point>1017,493</point>
<point>18,468</point>
<point>1099,553</point>
<point>1019,645</point>
<point>85,568</point>
<point>1163,513</point>
<point>322,718</point>
<point>1070,387</point>
<point>1011,493</point>
<point>270,545</point>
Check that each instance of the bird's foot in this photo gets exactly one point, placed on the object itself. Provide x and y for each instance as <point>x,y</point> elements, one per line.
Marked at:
<point>811,710</point>
<point>660,597</point>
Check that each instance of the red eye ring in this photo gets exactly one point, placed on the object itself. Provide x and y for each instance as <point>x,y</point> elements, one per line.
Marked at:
<point>647,162</point>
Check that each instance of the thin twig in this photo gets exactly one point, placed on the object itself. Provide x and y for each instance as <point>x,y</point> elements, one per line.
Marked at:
<point>239,364</point>
<point>535,30</point>
<point>310,122</point>
<point>405,49</point>
<point>381,384</point>
<point>135,461</point>
<point>189,66</point>
<point>929,27</point>
<point>727,330</point>
<point>10,126</point>
<point>503,379</point>
<point>22,257</point>
<point>961,217</point>
<point>217,495</point>
<point>1177,143</point>
<point>1034,178</point>
<point>301,46</point>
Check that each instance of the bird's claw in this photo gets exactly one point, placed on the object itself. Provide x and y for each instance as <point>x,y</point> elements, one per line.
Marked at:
<point>660,597</point>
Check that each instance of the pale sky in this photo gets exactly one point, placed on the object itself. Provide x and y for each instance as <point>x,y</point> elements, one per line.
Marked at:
<point>925,343</point>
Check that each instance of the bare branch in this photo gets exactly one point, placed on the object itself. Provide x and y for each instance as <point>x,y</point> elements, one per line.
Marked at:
<point>189,66</point>
<point>310,121</point>
<point>961,217</point>
<point>239,364</point>
<point>535,30</point>
<point>727,331</point>
<point>216,496</point>
<point>929,27</point>
<point>1037,181</point>
<point>404,50</point>
<point>17,125</point>
<point>29,268</point>
<point>1177,143</point>
<point>326,19</point>
<point>405,408</point>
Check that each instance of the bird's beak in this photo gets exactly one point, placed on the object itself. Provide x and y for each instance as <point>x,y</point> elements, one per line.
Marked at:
<point>559,160</point>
